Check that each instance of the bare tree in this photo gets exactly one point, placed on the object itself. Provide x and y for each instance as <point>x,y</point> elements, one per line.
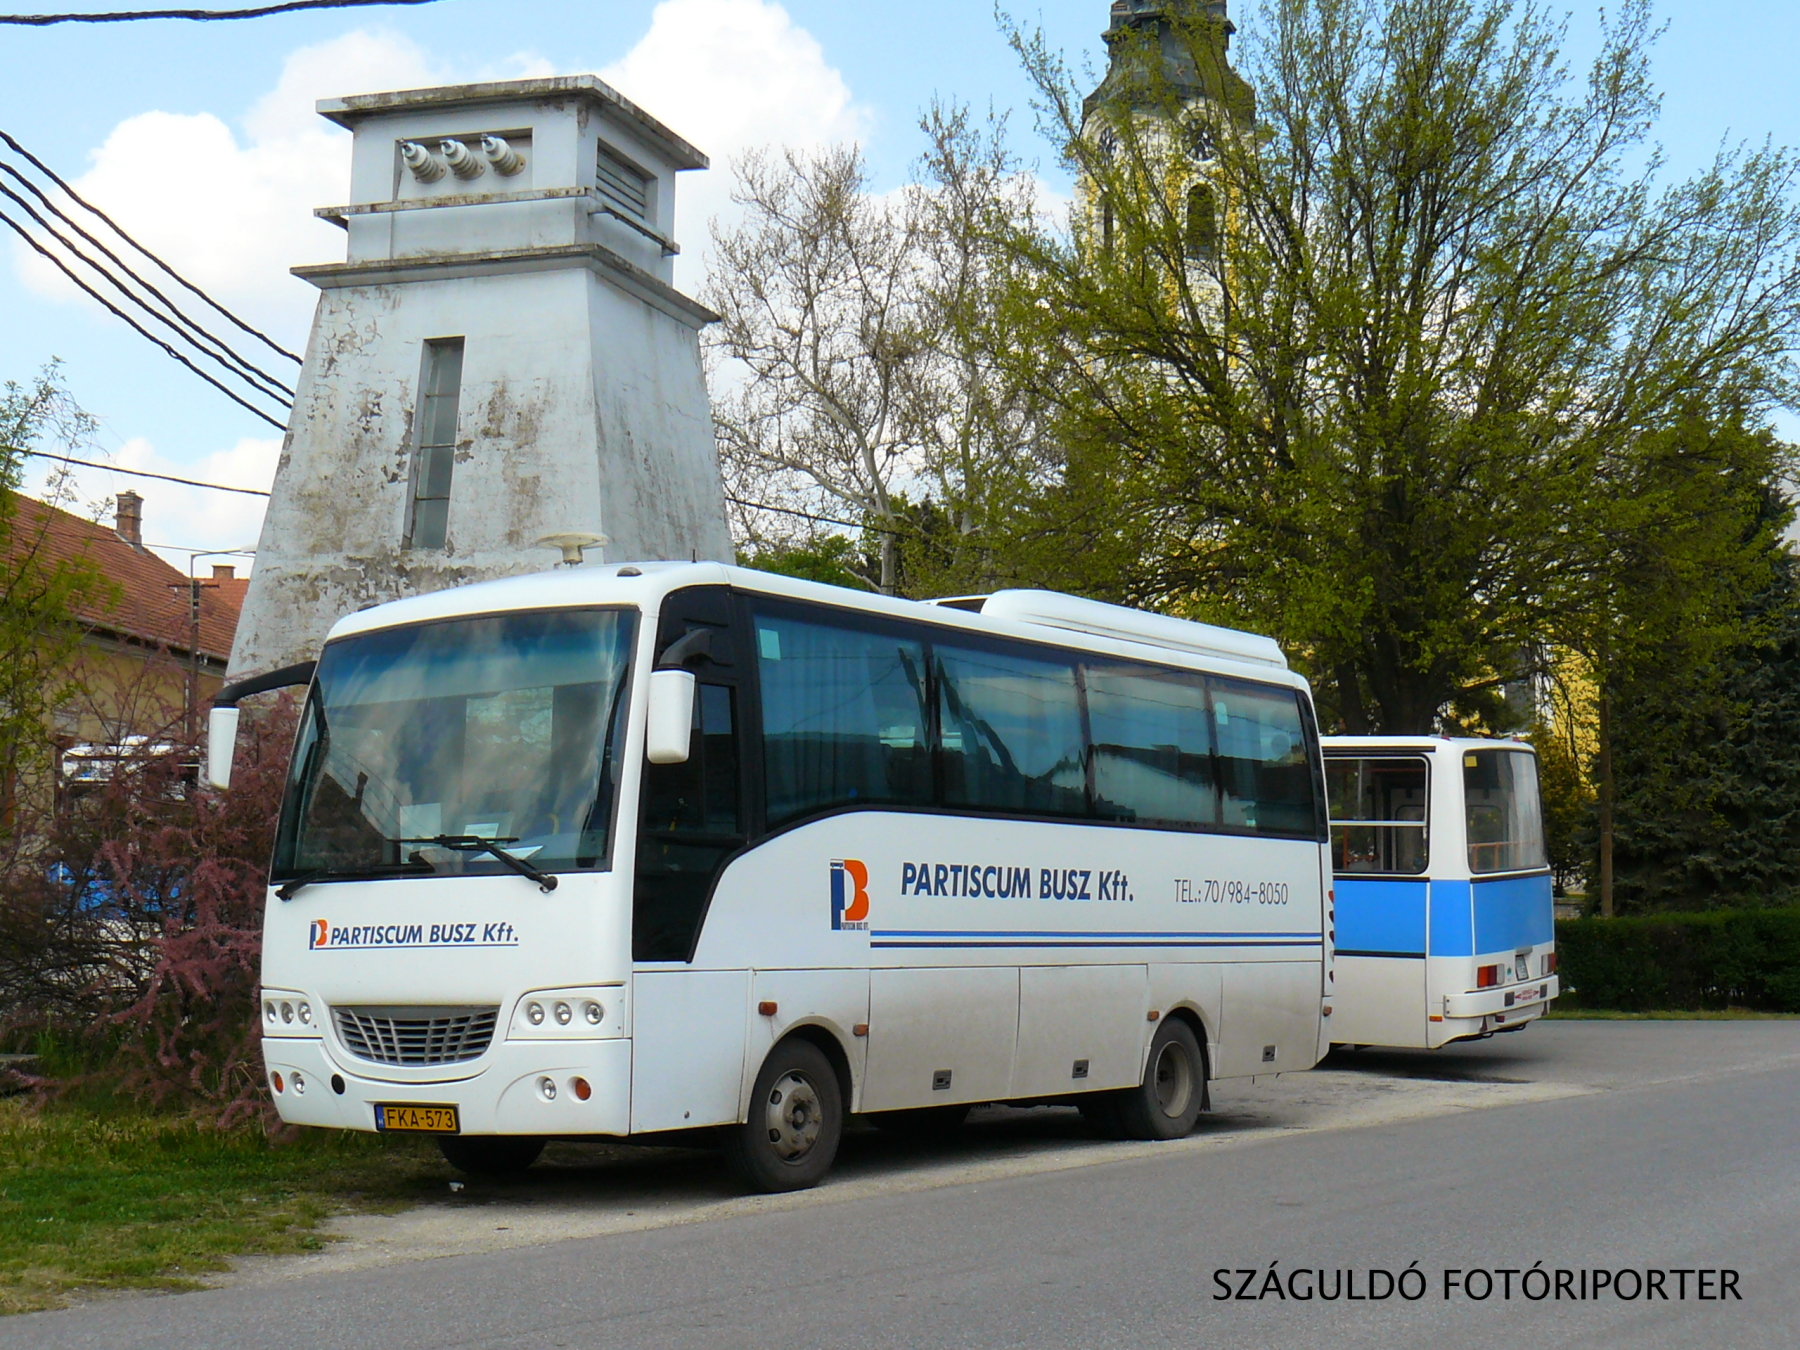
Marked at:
<point>855,369</point>
<point>816,291</point>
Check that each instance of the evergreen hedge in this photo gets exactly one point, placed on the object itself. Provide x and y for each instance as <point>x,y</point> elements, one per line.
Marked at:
<point>1682,961</point>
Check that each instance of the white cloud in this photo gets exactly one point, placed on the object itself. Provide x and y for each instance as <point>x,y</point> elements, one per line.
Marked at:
<point>178,519</point>
<point>232,213</point>
<point>729,75</point>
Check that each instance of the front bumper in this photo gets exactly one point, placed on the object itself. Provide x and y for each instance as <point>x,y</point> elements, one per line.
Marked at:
<point>1505,1000</point>
<point>500,1096</point>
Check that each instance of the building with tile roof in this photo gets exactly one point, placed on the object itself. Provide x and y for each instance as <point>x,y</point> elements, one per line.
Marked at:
<point>155,642</point>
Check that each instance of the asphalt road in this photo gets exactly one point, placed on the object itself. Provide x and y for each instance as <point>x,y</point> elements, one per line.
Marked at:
<point>1678,1152</point>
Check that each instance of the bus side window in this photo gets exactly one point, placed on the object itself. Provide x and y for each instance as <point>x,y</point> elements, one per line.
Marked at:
<point>1010,732</point>
<point>843,717</point>
<point>1152,746</point>
<point>1266,777</point>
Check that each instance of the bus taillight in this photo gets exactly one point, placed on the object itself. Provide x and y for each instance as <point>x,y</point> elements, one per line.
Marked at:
<point>1486,977</point>
<point>1549,963</point>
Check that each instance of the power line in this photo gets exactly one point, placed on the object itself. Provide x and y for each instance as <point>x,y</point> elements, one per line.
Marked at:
<point>790,511</point>
<point>191,324</point>
<point>213,348</point>
<point>198,15</point>
<point>119,230</point>
<point>138,328</point>
<point>136,473</point>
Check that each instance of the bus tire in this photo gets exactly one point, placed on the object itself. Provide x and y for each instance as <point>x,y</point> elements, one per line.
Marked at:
<point>795,1123</point>
<point>926,1122</point>
<point>1167,1103</point>
<point>490,1155</point>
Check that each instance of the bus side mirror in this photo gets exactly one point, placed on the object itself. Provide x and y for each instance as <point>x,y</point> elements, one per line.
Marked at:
<point>221,740</point>
<point>669,726</point>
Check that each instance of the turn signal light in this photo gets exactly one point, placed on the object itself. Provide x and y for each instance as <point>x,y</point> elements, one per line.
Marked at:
<point>275,1078</point>
<point>1486,977</point>
<point>582,1089</point>
<point>1550,963</point>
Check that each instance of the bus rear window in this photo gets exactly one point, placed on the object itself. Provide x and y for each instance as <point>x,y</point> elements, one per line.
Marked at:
<point>1506,820</point>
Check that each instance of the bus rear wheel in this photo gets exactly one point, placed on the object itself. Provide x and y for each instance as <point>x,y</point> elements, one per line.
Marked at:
<point>795,1123</point>
<point>1167,1103</point>
<point>490,1155</point>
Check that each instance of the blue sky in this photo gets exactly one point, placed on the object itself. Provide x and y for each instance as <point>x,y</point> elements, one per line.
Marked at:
<point>224,180</point>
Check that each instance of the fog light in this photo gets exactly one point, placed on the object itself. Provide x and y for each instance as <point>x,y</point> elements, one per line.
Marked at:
<point>337,1083</point>
<point>534,1014</point>
<point>299,1081</point>
<point>287,1012</point>
<point>269,1011</point>
<point>594,1012</point>
<point>547,1086</point>
<point>306,1013</point>
<point>275,1078</point>
<point>564,1014</point>
<point>581,1088</point>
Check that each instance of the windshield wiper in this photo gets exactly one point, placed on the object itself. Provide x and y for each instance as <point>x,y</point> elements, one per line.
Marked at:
<point>415,866</point>
<point>475,843</point>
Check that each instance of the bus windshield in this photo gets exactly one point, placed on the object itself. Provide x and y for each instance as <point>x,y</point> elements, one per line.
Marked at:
<point>416,742</point>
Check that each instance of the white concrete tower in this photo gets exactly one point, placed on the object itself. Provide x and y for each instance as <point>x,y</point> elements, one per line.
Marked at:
<point>501,357</point>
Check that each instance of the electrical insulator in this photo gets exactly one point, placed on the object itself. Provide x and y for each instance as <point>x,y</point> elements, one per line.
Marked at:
<point>425,166</point>
<point>506,160</point>
<point>461,162</point>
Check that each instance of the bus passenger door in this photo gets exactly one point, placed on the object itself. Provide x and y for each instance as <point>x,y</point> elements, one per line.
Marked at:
<point>693,816</point>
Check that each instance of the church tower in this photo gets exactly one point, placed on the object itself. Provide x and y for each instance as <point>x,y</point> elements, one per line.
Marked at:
<point>501,358</point>
<point>1169,84</point>
<point>1148,61</point>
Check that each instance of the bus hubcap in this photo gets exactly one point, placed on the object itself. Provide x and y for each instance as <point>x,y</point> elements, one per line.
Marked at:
<point>1174,1081</point>
<point>794,1116</point>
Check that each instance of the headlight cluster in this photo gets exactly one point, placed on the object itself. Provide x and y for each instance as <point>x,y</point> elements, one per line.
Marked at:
<point>562,1014</point>
<point>285,1013</point>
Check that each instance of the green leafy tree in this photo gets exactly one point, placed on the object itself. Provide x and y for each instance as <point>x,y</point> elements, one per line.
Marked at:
<point>41,595</point>
<point>1707,762</point>
<point>1387,398</point>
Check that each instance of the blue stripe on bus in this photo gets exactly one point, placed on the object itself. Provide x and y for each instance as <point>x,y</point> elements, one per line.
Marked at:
<point>1081,933</point>
<point>1380,917</point>
<point>1452,926</point>
<point>1513,912</point>
<point>945,943</point>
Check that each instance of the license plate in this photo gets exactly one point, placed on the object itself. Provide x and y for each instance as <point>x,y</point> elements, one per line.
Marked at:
<point>420,1119</point>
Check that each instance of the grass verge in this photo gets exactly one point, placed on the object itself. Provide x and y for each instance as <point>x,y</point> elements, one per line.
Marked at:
<point>101,1199</point>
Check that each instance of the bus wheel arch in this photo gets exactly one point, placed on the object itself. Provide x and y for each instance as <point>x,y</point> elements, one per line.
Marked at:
<point>795,1120</point>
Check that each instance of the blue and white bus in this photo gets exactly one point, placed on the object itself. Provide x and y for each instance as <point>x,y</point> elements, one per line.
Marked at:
<point>620,850</point>
<point>1445,918</point>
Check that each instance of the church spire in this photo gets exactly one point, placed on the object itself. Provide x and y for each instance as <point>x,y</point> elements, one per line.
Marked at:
<point>1141,31</point>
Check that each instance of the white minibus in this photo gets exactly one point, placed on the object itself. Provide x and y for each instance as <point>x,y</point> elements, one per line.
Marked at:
<point>624,850</point>
<point>1445,920</point>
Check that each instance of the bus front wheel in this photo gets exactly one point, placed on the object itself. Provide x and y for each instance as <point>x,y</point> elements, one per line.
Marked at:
<point>490,1155</point>
<point>1167,1103</point>
<point>796,1120</point>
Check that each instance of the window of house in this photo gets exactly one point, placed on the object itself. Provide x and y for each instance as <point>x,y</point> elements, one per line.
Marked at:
<point>434,458</point>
